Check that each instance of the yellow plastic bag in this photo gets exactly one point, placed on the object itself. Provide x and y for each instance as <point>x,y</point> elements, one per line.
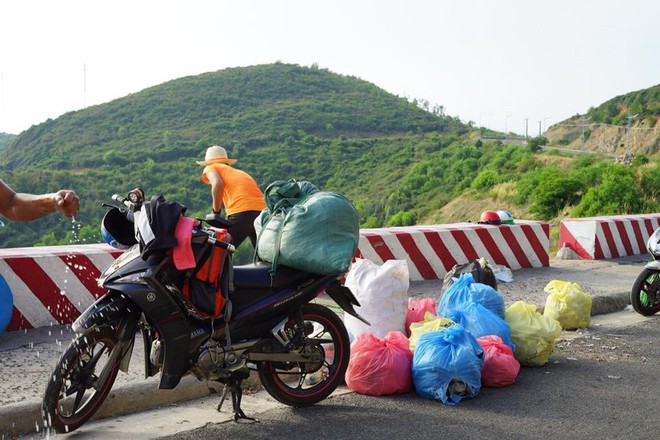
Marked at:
<point>533,334</point>
<point>431,323</point>
<point>568,304</point>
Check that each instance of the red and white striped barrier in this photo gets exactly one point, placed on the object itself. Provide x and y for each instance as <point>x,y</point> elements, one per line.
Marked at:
<point>597,238</point>
<point>52,285</point>
<point>432,251</point>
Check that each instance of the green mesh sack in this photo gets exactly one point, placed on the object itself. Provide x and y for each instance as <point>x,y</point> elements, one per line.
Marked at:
<point>314,231</point>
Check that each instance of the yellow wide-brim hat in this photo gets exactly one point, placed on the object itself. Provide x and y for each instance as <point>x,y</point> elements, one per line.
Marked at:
<point>215,154</point>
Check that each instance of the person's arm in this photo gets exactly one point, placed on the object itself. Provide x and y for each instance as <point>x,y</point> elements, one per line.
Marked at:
<point>27,207</point>
<point>217,185</point>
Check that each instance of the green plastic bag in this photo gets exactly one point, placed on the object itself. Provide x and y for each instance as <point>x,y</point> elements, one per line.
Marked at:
<point>533,334</point>
<point>307,229</point>
<point>568,304</point>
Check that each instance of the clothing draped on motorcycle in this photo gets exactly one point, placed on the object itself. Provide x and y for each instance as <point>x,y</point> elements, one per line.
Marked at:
<point>155,224</point>
<point>207,284</point>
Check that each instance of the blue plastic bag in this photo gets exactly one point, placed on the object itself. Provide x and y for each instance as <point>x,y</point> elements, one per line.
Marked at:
<point>466,291</point>
<point>6,304</point>
<point>480,321</point>
<point>447,365</point>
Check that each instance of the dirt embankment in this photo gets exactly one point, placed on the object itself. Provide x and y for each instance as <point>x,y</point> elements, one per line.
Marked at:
<point>642,138</point>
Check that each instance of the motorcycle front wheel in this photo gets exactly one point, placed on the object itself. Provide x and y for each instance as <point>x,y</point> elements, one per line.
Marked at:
<point>305,384</point>
<point>75,391</point>
<point>645,295</point>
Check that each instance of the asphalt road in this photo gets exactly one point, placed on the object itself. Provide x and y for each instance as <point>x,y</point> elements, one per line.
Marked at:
<point>600,383</point>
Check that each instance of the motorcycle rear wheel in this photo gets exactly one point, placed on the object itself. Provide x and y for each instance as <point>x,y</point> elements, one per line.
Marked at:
<point>74,392</point>
<point>301,385</point>
<point>645,295</point>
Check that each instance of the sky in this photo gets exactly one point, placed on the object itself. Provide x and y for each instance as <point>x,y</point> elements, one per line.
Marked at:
<point>508,65</point>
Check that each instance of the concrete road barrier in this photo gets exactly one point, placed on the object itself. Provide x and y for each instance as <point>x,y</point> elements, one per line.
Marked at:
<point>431,251</point>
<point>52,285</point>
<point>597,238</point>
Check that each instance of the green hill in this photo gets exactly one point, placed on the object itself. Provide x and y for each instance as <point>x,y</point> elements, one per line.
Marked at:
<point>280,121</point>
<point>399,163</point>
<point>251,108</point>
<point>5,139</point>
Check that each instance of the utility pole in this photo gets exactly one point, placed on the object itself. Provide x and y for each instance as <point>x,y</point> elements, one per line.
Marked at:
<point>84,85</point>
<point>630,118</point>
<point>584,139</point>
<point>526,128</point>
<point>2,98</point>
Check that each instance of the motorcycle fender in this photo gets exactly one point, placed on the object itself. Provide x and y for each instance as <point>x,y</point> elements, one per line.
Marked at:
<point>111,308</point>
<point>345,299</point>
<point>653,265</point>
<point>108,308</point>
<point>165,315</point>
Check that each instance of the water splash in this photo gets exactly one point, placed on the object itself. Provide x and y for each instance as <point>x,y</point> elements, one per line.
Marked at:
<point>75,228</point>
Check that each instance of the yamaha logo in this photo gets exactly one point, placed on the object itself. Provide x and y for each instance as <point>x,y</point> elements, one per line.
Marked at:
<point>151,297</point>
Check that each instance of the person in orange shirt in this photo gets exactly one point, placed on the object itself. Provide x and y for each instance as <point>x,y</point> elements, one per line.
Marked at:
<point>236,190</point>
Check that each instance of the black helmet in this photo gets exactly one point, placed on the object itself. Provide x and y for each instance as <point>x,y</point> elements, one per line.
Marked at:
<point>117,230</point>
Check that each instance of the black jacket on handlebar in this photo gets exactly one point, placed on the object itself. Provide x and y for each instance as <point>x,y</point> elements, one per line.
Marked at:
<point>155,223</point>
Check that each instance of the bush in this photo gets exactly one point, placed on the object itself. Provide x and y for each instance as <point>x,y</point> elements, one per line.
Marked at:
<point>618,194</point>
<point>401,218</point>
<point>536,143</point>
<point>553,194</point>
<point>485,179</point>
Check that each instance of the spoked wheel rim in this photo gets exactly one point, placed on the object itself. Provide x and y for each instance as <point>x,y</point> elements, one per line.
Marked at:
<point>76,390</point>
<point>300,378</point>
<point>302,384</point>
<point>645,296</point>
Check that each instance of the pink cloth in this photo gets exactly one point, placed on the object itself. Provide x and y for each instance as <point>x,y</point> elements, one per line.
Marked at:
<point>183,254</point>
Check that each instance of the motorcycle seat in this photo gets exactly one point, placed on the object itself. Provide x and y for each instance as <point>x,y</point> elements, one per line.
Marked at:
<point>257,276</point>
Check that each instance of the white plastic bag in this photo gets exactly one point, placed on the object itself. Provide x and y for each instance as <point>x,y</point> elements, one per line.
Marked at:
<point>383,295</point>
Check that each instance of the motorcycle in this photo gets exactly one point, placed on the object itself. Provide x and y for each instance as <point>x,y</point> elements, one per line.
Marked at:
<point>645,295</point>
<point>269,323</point>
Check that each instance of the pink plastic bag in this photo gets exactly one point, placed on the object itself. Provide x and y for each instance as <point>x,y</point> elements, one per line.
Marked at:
<point>378,367</point>
<point>500,367</point>
<point>417,307</point>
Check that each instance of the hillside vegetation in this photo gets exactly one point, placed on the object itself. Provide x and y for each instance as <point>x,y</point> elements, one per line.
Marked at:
<point>398,161</point>
<point>5,139</point>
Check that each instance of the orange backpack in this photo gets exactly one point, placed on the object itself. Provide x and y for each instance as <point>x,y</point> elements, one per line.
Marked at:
<point>207,286</point>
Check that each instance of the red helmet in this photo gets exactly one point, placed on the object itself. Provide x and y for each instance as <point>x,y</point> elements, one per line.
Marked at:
<point>490,218</point>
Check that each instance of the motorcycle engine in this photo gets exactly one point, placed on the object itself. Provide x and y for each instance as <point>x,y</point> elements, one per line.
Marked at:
<point>216,360</point>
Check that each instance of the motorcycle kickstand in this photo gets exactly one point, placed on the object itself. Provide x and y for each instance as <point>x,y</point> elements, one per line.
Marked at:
<point>234,385</point>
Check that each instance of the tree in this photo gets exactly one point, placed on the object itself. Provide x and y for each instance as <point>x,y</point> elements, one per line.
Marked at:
<point>553,194</point>
<point>536,143</point>
<point>618,194</point>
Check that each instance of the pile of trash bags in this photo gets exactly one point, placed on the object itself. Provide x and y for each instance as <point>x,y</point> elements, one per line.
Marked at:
<point>448,349</point>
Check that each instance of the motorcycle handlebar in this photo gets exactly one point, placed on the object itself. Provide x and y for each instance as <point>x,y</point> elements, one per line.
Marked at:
<point>119,199</point>
<point>214,241</point>
<point>223,244</point>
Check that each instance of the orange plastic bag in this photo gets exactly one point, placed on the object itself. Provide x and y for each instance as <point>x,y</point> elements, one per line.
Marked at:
<point>417,307</point>
<point>379,367</point>
<point>500,365</point>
